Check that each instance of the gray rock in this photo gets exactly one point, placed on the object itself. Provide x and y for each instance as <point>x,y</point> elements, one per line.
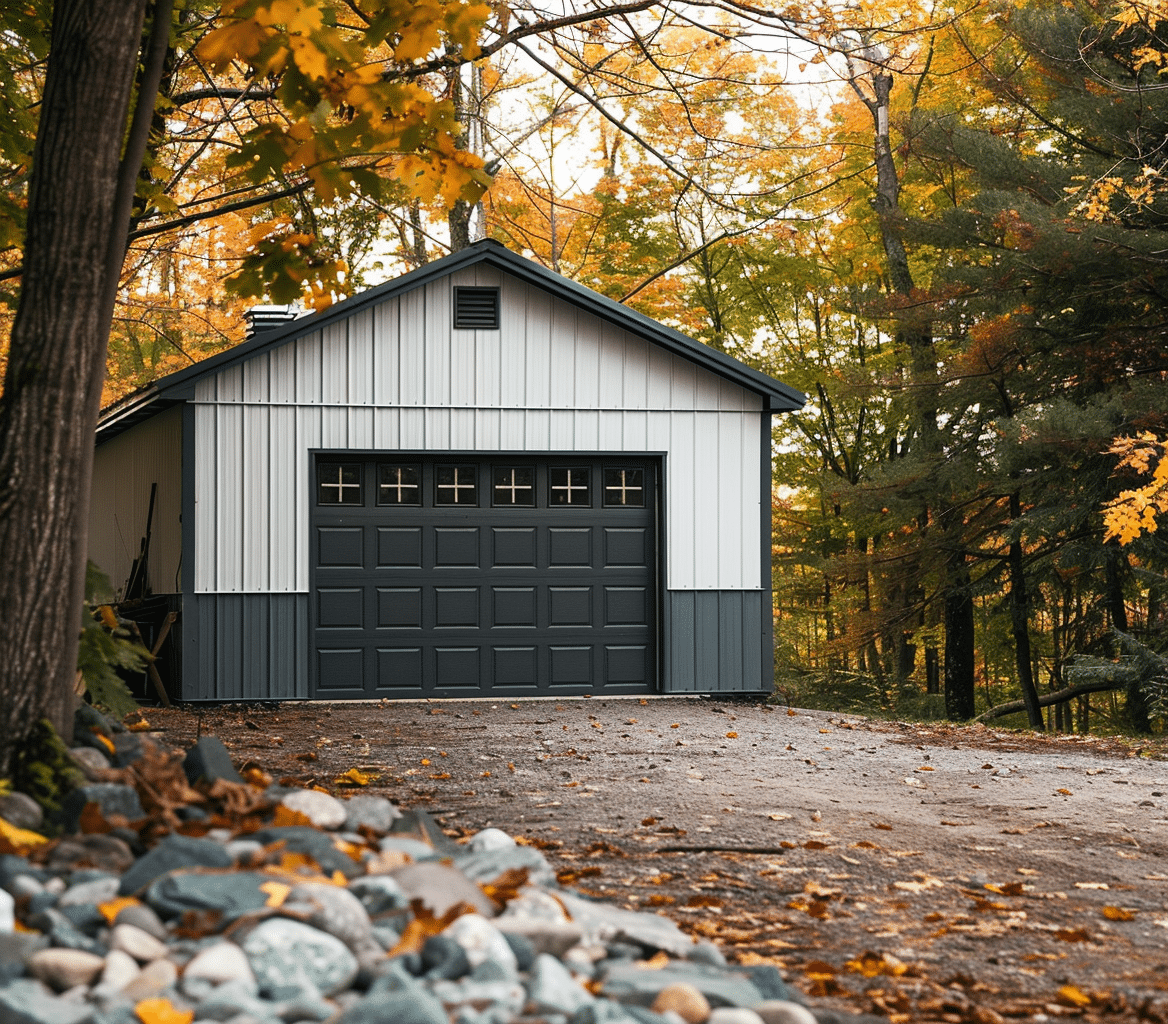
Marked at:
<point>322,810</point>
<point>63,933</point>
<point>406,1007</point>
<point>112,799</point>
<point>631,984</point>
<point>605,1011</point>
<point>419,825</point>
<point>489,839</point>
<point>142,946</point>
<point>27,1001</point>
<point>15,949</point>
<point>232,998</point>
<point>768,979</point>
<point>282,951</point>
<point>11,866</point>
<point>141,916</point>
<point>602,922</point>
<point>482,942</point>
<point>63,969</point>
<point>106,852</point>
<point>379,894</point>
<point>441,887</point>
<point>96,890</point>
<point>524,951</point>
<point>306,1008</point>
<point>552,937</point>
<point>221,963</point>
<point>336,911</point>
<point>444,959</point>
<point>91,761</point>
<point>7,912</point>
<point>487,865</point>
<point>175,851</point>
<point>372,812</point>
<point>316,844</point>
<point>127,749</point>
<point>707,952</point>
<point>553,989</point>
<point>231,894</point>
<point>781,1011</point>
<point>21,810</point>
<point>415,849</point>
<point>507,995</point>
<point>209,760</point>
<point>244,851</point>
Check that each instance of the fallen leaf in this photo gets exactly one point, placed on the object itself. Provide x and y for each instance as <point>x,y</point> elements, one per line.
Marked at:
<point>792,712</point>
<point>1009,889</point>
<point>160,1011</point>
<point>926,768</point>
<point>112,908</point>
<point>778,817</point>
<point>354,777</point>
<point>1072,935</point>
<point>277,893</point>
<point>884,827</point>
<point>1118,914</point>
<point>814,844</point>
<point>1065,792</point>
<point>731,735</point>
<point>872,965</point>
<point>1092,885</point>
<point>675,725</point>
<point>285,816</point>
<point>1069,995</point>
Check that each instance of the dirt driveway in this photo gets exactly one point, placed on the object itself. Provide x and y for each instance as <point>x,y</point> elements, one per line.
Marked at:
<point>913,871</point>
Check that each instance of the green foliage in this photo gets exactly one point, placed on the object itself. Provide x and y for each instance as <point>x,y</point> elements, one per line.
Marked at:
<point>106,647</point>
<point>43,769</point>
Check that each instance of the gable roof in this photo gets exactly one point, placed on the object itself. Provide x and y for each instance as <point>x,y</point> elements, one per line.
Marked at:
<point>177,387</point>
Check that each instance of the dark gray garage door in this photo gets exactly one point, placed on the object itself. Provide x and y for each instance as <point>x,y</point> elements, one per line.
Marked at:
<point>468,576</point>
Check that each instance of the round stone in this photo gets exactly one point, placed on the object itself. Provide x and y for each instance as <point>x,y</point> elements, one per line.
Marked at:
<point>120,969</point>
<point>141,916</point>
<point>336,911</point>
<point>482,942</point>
<point>21,810</point>
<point>142,946</point>
<point>99,890</point>
<point>685,1000</point>
<point>322,810</point>
<point>224,961</point>
<point>152,979</point>
<point>63,969</point>
<point>92,762</point>
<point>7,912</point>
<point>489,839</point>
<point>372,812</point>
<point>104,852</point>
<point>734,1015</point>
<point>781,1011</point>
<point>284,953</point>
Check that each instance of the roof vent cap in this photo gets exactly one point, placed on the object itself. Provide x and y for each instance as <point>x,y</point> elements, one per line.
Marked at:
<point>260,319</point>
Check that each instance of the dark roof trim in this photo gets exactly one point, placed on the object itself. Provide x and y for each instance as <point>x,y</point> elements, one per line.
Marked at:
<point>176,387</point>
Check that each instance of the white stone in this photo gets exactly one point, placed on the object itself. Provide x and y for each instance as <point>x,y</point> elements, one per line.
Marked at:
<point>482,941</point>
<point>554,937</point>
<point>782,1011</point>
<point>154,977</point>
<point>224,961</point>
<point>63,969</point>
<point>100,890</point>
<point>120,969</point>
<point>733,1015</point>
<point>7,911</point>
<point>142,946</point>
<point>322,810</point>
<point>489,839</point>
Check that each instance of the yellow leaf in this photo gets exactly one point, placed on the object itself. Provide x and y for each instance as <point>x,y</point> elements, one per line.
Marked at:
<point>1073,996</point>
<point>731,735</point>
<point>160,1011</point>
<point>353,777</point>
<point>114,907</point>
<point>18,841</point>
<point>277,893</point>
<point>1118,914</point>
<point>108,618</point>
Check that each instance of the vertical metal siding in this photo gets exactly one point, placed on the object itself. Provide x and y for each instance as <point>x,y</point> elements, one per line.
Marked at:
<point>257,645</point>
<point>123,470</point>
<point>552,378</point>
<point>715,641</point>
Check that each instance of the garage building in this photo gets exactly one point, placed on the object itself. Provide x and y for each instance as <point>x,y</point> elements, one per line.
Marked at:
<point>479,479</point>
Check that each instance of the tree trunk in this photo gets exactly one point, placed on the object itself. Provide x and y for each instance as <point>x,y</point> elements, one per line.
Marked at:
<point>78,212</point>
<point>1019,619</point>
<point>959,647</point>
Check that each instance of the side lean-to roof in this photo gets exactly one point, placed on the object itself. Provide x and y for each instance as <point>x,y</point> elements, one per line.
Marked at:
<point>178,387</point>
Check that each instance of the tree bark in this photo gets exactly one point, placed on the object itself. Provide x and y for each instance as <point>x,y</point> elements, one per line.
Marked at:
<point>959,643</point>
<point>1020,622</point>
<point>78,215</point>
<point>1047,699</point>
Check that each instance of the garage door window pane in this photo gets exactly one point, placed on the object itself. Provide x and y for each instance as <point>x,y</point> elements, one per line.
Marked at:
<point>514,486</point>
<point>624,487</point>
<point>398,485</point>
<point>339,483</point>
<point>455,485</point>
<point>569,487</point>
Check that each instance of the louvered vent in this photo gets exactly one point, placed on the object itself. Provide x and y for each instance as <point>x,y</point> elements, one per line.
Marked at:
<point>476,309</point>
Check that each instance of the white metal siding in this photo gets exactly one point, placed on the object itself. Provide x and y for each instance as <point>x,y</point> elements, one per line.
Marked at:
<point>123,470</point>
<point>553,378</point>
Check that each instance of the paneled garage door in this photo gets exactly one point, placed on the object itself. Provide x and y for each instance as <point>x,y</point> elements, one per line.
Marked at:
<point>467,576</point>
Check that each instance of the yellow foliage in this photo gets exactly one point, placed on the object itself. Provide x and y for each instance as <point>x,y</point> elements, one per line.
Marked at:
<point>18,841</point>
<point>1135,511</point>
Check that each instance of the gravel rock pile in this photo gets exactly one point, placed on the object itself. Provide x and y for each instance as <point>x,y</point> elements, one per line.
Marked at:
<point>180,893</point>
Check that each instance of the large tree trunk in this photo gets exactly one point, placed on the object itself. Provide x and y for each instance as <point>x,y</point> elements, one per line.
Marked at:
<point>77,221</point>
<point>959,646</point>
<point>1020,622</point>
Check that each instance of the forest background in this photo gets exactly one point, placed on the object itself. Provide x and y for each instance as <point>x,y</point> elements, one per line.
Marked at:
<point>947,223</point>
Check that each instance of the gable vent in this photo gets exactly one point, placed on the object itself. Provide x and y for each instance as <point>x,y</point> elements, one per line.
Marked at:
<point>476,309</point>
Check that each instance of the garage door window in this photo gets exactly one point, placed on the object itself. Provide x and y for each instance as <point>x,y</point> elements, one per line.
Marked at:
<point>399,485</point>
<point>624,488</point>
<point>339,483</point>
<point>514,485</point>
<point>455,485</point>
<point>569,487</point>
